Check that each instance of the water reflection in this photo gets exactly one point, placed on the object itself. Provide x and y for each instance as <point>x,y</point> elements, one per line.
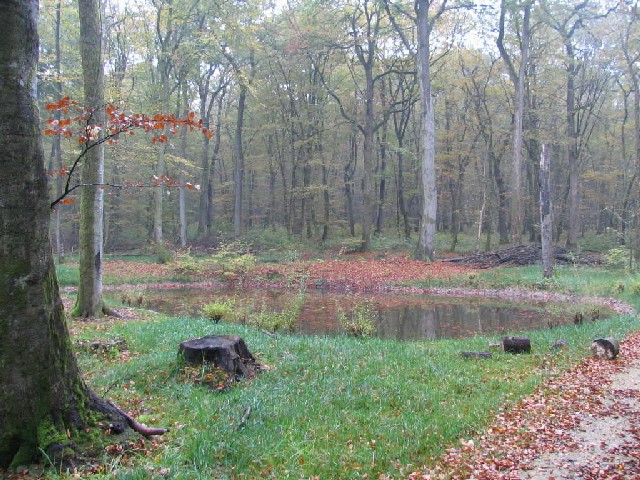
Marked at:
<point>402,317</point>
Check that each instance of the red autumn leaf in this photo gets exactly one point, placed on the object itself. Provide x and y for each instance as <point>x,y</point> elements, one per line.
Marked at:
<point>67,201</point>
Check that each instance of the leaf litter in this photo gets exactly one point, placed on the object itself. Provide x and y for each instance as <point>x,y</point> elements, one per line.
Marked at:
<point>583,424</point>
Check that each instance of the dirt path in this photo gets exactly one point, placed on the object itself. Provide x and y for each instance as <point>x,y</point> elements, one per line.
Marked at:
<point>583,424</point>
<point>606,443</point>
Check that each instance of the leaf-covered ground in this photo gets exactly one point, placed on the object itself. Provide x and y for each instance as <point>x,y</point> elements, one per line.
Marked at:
<point>584,424</point>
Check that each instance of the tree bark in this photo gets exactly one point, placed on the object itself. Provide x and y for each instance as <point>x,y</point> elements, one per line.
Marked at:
<point>57,141</point>
<point>546,220</point>
<point>42,394</point>
<point>572,151</point>
<point>89,302</point>
<point>427,231</point>
<point>518,80</point>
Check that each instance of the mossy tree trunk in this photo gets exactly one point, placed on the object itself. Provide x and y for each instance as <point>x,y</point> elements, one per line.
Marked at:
<point>42,394</point>
<point>89,302</point>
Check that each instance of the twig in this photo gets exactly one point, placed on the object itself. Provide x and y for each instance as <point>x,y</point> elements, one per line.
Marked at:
<point>245,417</point>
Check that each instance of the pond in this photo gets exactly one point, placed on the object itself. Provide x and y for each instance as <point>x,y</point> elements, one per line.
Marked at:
<point>402,317</point>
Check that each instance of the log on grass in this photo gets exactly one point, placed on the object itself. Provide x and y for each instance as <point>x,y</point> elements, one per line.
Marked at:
<point>605,348</point>
<point>476,354</point>
<point>228,352</point>
<point>516,345</point>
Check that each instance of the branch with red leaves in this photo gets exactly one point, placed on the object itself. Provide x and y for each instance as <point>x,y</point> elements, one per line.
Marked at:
<point>90,135</point>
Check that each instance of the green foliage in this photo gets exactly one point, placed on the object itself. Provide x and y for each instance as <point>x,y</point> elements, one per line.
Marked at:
<point>360,322</point>
<point>231,263</point>
<point>635,287</point>
<point>284,321</point>
<point>134,298</point>
<point>598,242</point>
<point>272,238</point>
<point>217,311</point>
<point>163,254</point>
<point>186,264</point>
<point>618,258</point>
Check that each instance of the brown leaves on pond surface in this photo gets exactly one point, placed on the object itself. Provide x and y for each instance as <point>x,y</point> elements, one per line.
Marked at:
<point>552,424</point>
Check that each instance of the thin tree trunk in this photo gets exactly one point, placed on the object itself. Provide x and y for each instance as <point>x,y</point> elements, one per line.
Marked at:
<point>238,168</point>
<point>546,210</point>
<point>57,144</point>
<point>573,224</point>
<point>483,206</point>
<point>89,302</point>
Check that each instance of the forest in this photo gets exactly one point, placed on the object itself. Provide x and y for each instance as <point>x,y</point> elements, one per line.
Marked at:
<point>255,173</point>
<point>314,121</point>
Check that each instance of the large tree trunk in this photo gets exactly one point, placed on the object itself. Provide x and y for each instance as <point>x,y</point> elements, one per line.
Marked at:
<point>89,302</point>
<point>427,235</point>
<point>518,79</point>
<point>42,395</point>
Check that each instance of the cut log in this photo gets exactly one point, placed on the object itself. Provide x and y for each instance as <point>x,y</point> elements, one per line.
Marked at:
<point>476,354</point>
<point>228,352</point>
<point>605,348</point>
<point>516,345</point>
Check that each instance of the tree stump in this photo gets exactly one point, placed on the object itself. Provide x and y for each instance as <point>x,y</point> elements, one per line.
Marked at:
<point>516,345</point>
<point>605,348</point>
<point>228,352</point>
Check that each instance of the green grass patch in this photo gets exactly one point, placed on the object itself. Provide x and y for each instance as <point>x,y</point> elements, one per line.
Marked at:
<point>331,407</point>
<point>68,275</point>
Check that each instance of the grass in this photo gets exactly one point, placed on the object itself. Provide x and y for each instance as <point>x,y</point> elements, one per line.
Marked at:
<point>329,407</point>
<point>336,407</point>
<point>580,280</point>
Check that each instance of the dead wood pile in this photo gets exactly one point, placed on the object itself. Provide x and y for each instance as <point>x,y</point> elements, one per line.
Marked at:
<point>522,255</point>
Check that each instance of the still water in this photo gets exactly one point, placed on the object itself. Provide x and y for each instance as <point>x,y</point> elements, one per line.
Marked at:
<point>403,317</point>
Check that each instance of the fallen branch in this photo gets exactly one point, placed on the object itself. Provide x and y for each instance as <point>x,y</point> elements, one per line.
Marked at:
<point>245,417</point>
<point>141,428</point>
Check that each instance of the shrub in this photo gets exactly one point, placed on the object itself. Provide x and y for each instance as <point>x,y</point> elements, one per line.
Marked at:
<point>163,254</point>
<point>618,258</point>
<point>217,311</point>
<point>279,321</point>
<point>360,323</point>
<point>185,264</point>
<point>134,298</point>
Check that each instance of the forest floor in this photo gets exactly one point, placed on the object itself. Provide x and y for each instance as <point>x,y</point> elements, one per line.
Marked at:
<point>583,424</point>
